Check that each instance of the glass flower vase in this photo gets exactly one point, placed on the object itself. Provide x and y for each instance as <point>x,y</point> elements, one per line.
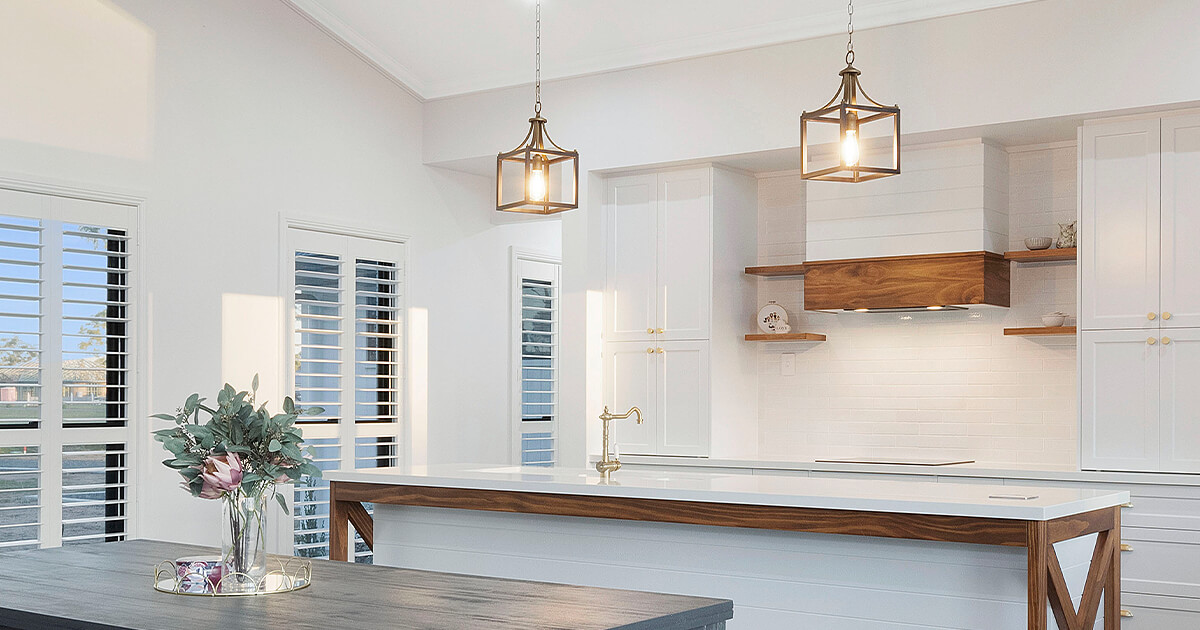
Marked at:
<point>243,540</point>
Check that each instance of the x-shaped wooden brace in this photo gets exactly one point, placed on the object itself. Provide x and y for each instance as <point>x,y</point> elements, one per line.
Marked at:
<point>1060,598</point>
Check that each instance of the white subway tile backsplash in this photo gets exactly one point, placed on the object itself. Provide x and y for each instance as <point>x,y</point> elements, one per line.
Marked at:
<point>935,384</point>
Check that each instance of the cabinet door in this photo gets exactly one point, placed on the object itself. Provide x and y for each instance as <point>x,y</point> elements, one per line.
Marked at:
<point>1120,389</point>
<point>1119,225</point>
<point>631,253</point>
<point>685,253</point>
<point>1180,222</point>
<point>629,380</point>
<point>1180,400</point>
<point>684,399</point>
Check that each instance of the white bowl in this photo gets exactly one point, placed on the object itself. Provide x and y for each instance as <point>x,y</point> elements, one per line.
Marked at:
<point>1038,242</point>
<point>1051,321</point>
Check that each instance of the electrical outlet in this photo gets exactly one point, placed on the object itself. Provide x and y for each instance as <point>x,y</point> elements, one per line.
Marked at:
<point>787,364</point>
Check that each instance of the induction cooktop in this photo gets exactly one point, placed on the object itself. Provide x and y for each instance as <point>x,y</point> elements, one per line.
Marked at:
<point>899,461</point>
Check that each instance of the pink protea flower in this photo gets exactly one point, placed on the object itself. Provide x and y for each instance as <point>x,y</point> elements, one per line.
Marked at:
<point>221,474</point>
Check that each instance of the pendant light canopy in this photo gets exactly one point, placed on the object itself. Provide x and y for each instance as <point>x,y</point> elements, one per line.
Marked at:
<point>851,110</point>
<point>541,177</point>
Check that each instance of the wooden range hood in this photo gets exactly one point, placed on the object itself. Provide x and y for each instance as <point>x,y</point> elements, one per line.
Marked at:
<point>907,282</point>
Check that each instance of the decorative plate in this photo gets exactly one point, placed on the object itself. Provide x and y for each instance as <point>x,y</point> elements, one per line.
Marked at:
<point>771,317</point>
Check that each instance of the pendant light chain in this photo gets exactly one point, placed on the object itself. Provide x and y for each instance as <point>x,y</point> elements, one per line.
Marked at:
<point>849,33</point>
<point>537,82</point>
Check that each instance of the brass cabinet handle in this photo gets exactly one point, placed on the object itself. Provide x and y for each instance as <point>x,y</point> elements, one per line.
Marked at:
<point>1151,316</point>
<point>1126,547</point>
<point>1127,505</point>
<point>649,350</point>
<point>1166,315</point>
<point>1151,340</point>
<point>660,350</point>
<point>660,331</point>
<point>1125,613</point>
<point>649,331</point>
<point>1166,340</point>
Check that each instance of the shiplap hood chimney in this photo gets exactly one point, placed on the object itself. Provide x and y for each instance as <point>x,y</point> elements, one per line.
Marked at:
<point>933,236</point>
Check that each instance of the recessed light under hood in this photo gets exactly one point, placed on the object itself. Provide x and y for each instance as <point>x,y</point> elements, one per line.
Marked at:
<point>908,309</point>
<point>907,283</point>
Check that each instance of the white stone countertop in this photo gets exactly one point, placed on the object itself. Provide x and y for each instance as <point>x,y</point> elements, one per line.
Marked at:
<point>1032,472</point>
<point>904,497</point>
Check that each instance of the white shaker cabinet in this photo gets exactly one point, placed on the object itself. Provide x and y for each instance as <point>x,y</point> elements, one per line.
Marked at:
<point>1119,225</point>
<point>1180,224</point>
<point>675,239</point>
<point>684,405</point>
<point>631,380</point>
<point>1140,294</point>
<point>631,311</point>
<point>1179,401</point>
<point>1120,389</point>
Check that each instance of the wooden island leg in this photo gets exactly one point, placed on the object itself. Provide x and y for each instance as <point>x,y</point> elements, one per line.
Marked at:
<point>339,525</point>
<point>1038,575</point>
<point>1112,582</point>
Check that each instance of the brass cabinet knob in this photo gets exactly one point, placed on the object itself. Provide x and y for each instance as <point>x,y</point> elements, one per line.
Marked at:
<point>1166,340</point>
<point>649,331</point>
<point>1126,547</point>
<point>660,331</point>
<point>1151,340</point>
<point>1127,505</point>
<point>1166,315</point>
<point>1151,316</point>
<point>660,350</point>
<point>1126,613</point>
<point>649,350</point>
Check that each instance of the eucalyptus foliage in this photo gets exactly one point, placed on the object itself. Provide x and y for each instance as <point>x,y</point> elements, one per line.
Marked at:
<point>267,445</point>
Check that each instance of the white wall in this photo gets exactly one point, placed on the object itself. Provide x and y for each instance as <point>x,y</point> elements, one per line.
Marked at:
<point>930,384</point>
<point>951,76</point>
<point>225,115</point>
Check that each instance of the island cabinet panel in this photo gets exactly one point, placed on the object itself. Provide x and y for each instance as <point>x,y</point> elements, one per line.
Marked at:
<point>1180,225</point>
<point>1119,225</point>
<point>777,580</point>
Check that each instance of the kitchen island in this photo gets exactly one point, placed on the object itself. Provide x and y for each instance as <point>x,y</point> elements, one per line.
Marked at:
<point>791,552</point>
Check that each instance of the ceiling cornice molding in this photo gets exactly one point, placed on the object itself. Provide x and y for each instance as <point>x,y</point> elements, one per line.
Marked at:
<point>884,13</point>
<point>362,47</point>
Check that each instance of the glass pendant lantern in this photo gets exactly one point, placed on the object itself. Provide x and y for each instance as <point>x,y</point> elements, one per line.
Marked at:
<point>537,177</point>
<point>850,110</point>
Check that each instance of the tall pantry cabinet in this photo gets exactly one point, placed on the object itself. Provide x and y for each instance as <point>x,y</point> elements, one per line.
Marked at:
<point>676,307</point>
<point>1140,294</point>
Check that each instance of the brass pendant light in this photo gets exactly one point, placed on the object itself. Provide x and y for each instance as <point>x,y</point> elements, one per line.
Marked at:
<point>850,115</point>
<point>545,174</point>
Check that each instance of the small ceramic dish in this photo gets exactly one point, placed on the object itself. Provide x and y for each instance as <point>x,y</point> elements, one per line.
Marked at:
<point>1050,320</point>
<point>1038,242</point>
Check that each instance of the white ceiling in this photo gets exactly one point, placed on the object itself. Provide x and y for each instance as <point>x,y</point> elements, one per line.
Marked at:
<point>439,48</point>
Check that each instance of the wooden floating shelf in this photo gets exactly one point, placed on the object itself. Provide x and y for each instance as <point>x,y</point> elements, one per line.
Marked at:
<point>785,337</point>
<point>1042,255</point>
<point>1041,331</point>
<point>777,270</point>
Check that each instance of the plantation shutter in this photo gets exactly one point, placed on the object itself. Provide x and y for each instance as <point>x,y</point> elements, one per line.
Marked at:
<point>66,360</point>
<point>536,308</point>
<point>348,322</point>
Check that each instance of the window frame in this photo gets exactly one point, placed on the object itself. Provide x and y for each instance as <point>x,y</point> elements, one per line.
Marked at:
<point>517,256</point>
<point>60,204</point>
<point>295,233</point>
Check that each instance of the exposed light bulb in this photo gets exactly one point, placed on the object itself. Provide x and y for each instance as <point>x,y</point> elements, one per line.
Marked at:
<point>850,148</point>
<point>537,184</point>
